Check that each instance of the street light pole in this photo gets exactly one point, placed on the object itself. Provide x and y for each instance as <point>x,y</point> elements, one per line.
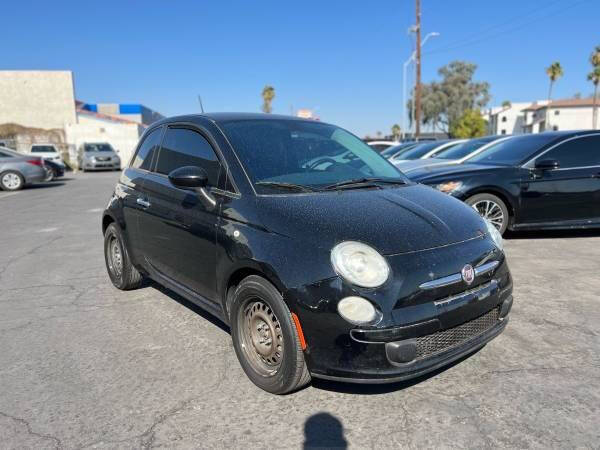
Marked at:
<point>404,93</point>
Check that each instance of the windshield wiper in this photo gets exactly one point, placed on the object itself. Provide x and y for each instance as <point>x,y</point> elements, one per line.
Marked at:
<point>357,182</point>
<point>281,184</point>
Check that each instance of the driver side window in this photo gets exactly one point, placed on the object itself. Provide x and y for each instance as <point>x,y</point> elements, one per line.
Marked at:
<point>579,152</point>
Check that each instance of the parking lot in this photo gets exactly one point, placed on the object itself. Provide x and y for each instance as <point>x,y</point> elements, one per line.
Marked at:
<point>85,365</point>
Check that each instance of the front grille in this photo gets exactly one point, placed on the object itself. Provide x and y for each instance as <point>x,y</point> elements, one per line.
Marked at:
<point>103,158</point>
<point>453,337</point>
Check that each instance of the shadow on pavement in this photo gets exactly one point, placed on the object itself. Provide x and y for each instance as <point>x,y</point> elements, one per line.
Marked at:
<point>45,185</point>
<point>189,305</point>
<point>323,430</point>
<point>375,389</point>
<point>551,234</point>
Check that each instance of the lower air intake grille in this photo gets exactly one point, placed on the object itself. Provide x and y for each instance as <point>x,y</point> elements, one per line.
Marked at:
<point>453,337</point>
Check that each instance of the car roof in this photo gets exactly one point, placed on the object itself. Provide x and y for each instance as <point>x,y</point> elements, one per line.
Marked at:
<point>230,116</point>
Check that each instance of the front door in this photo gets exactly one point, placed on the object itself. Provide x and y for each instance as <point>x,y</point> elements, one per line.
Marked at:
<point>178,226</point>
<point>569,193</point>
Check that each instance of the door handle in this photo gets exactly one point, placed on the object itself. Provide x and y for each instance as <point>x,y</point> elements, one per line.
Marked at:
<point>143,203</point>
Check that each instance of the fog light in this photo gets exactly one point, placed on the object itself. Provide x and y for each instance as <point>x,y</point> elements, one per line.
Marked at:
<point>357,310</point>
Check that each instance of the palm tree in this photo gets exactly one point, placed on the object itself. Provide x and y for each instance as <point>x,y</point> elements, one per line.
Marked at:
<point>268,94</point>
<point>506,104</point>
<point>554,72</point>
<point>594,77</point>
<point>396,131</point>
<point>595,56</point>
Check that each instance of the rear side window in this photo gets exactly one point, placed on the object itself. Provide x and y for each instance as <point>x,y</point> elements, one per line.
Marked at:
<point>143,158</point>
<point>183,147</point>
<point>580,152</point>
<point>5,155</point>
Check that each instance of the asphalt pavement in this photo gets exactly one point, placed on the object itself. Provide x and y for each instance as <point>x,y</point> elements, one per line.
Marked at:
<point>84,365</point>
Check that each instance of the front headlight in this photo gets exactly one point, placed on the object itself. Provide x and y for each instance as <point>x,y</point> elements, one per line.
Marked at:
<point>494,234</point>
<point>359,264</point>
<point>449,186</point>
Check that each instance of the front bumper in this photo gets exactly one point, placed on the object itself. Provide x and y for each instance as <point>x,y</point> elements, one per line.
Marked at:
<point>101,165</point>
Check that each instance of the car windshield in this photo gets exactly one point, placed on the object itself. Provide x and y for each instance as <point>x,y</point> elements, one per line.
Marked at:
<point>420,150</point>
<point>43,149</point>
<point>461,150</point>
<point>279,154</point>
<point>98,148</point>
<point>512,151</point>
<point>396,148</point>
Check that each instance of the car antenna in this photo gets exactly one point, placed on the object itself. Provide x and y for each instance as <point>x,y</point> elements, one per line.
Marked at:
<point>200,101</point>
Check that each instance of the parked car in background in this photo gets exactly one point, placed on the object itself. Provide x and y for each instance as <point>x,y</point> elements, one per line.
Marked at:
<point>423,150</point>
<point>380,146</point>
<point>396,150</point>
<point>456,154</point>
<point>54,169</point>
<point>227,211</point>
<point>18,170</point>
<point>47,151</point>
<point>98,156</point>
<point>549,180</point>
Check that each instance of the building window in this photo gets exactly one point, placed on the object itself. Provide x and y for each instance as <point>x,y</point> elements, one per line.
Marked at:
<point>503,132</point>
<point>504,119</point>
<point>556,112</point>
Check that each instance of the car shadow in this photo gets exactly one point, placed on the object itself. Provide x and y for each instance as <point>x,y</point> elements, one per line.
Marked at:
<point>45,185</point>
<point>551,234</point>
<point>189,305</point>
<point>377,389</point>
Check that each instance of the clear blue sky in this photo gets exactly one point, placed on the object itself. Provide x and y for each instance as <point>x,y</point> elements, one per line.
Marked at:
<point>342,57</point>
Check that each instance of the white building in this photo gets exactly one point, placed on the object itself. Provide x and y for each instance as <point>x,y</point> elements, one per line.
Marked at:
<point>567,114</point>
<point>507,120</point>
<point>519,118</point>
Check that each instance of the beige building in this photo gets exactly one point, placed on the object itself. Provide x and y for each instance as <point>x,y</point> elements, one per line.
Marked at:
<point>39,99</point>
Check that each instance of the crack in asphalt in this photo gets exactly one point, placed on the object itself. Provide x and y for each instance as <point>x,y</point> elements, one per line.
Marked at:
<point>25,423</point>
<point>14,259</point>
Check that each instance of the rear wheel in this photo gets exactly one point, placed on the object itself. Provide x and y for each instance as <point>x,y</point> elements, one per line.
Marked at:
<point>11,180</point>
<point>492,208</point>
<point>265,337</point>
<point>120,269</point>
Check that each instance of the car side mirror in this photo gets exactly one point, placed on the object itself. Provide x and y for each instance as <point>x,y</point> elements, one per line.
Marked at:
<point>189,177</point>
<point>547,164</point>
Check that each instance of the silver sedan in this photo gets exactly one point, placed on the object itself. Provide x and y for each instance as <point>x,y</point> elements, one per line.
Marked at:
<point>18,170</point>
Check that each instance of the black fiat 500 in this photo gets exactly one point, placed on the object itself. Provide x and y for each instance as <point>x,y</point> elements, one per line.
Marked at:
<point>321,256</point>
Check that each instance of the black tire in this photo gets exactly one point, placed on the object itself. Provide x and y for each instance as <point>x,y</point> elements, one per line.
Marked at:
<point>49,177</point>
<point>6,184</point>
<point>498,213</point>
<point>123,275</point>
<point>253,298</point>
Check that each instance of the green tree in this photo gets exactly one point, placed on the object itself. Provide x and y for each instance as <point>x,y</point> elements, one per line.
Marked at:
<point>445,102</point>
<point>470,125</point>
<point>396,131</point>
<point>268,94</point>
<point>594,77</point>
<point>506,104</point>
<point>554,72</point>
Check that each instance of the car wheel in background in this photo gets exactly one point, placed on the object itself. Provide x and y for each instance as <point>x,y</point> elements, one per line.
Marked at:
<point>11,180</point>
<point>265,337</point>
<point>492,208</point>
<point>120,269</point>
<point>49,176</point>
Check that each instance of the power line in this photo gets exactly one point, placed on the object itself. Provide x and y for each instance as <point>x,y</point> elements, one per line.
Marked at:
<point>463,42</point>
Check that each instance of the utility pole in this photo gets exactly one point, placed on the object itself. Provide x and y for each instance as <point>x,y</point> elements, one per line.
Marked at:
<point>417,105</point>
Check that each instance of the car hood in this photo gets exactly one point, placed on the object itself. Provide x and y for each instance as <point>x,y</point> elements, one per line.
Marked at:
<point>392,220</point>
<point>423,174</point>
<point>406,166</point>
<point>97,154</point>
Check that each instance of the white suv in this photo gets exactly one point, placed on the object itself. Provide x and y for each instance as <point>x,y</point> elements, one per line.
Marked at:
<point>48,152</point>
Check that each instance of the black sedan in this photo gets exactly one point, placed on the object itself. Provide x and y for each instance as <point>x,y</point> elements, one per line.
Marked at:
<point>324,259</point>
<point>537,181</point>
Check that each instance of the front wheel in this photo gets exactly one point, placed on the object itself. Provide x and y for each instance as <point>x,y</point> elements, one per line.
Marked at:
<point>491,208</point>
<point>11,180</point>
<point>265,337</point>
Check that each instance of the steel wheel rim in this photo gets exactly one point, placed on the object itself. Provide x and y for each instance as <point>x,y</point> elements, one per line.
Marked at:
<point>261,337</point>
<point>115,256</point>
<point>11,180</point>
<point>491,211</point>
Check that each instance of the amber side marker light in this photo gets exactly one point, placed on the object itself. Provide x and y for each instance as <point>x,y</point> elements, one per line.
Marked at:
<point>300,332</point>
